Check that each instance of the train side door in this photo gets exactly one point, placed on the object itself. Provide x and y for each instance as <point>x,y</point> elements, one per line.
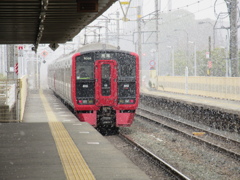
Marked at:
<point>106,82</point>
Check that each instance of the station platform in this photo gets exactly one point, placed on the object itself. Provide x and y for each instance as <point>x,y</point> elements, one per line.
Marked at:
<point>52,143</point>
<point>228,106</point>
<point>218,115</point>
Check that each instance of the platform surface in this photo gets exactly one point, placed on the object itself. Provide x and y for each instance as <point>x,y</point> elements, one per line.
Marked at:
<point>32,149</point>
<point>225,105</point>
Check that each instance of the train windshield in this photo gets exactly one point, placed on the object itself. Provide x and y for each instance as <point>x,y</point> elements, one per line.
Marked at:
<point>84,68</point>
<point>85,79</point>
<point>127,65</point>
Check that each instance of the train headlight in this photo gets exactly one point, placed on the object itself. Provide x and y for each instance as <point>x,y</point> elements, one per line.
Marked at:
<point>126,101</point>
<point>121,101</point>
<point>85,101</point>
<point>90,101</point>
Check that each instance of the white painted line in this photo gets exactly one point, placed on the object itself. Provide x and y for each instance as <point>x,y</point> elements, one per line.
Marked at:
<point>93,143</point>
<point>84,132</point>
<point>66,120</point>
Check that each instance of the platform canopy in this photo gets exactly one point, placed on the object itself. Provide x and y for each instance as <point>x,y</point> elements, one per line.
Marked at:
<point>46,21</point>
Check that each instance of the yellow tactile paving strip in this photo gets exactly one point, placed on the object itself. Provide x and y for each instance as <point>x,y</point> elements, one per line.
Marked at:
<point>74,164</point>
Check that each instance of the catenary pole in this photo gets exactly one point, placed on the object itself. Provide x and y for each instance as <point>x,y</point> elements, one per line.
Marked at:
<point>233,56</point>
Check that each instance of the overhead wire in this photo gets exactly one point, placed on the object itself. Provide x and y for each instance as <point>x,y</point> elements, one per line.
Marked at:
<point>185,6</point>
<point>152,14</point>
<point>175,19</point>
<point>218,15</point>
<point>179,8</point>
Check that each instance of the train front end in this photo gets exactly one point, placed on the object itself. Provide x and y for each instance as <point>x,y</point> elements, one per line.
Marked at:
<point>105,87</point>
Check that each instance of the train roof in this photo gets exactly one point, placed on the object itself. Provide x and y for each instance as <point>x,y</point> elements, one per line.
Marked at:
<point>88,48</point>
<point>97,47</point>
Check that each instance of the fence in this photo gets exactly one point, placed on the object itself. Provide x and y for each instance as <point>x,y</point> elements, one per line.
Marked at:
<point>216,87</point>
<point>13,94</point>
<point>8,94</point>
<point>23,87</point>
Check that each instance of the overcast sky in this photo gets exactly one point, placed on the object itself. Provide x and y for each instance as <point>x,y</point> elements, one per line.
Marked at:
<point>201,8</point>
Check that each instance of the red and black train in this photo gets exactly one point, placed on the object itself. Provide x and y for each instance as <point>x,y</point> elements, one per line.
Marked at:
<point>100,83</point>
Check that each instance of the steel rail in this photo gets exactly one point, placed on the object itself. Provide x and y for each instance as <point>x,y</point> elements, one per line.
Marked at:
<point>213,146</point>
<point>224,138</point>
<point>158,161</point>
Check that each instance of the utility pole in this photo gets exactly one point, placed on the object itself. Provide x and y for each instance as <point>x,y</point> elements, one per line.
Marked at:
<point>157,45</point>
<point>1,59</point>
<point>118,28</point>
<point>233,56</point>
<point>169,5</point>
<point>95,35</point>
<point>85,36</point>
<point>10,61</point>
<point>210,54</point>
<point>139,37</point>
<point>106,31</point>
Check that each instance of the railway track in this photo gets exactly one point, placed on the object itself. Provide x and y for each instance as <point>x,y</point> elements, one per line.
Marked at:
<point>214,141</point>
<point>155,159</point>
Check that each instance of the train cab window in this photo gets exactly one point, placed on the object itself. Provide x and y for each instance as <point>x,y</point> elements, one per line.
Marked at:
<point>127,70</point>
<point>127,66</point>
<point>126,76</point>
<point>85,78</point>
<point>106,83</point>
<point>106,71</point>
<point>84,72</point>
<point>85,67</point>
